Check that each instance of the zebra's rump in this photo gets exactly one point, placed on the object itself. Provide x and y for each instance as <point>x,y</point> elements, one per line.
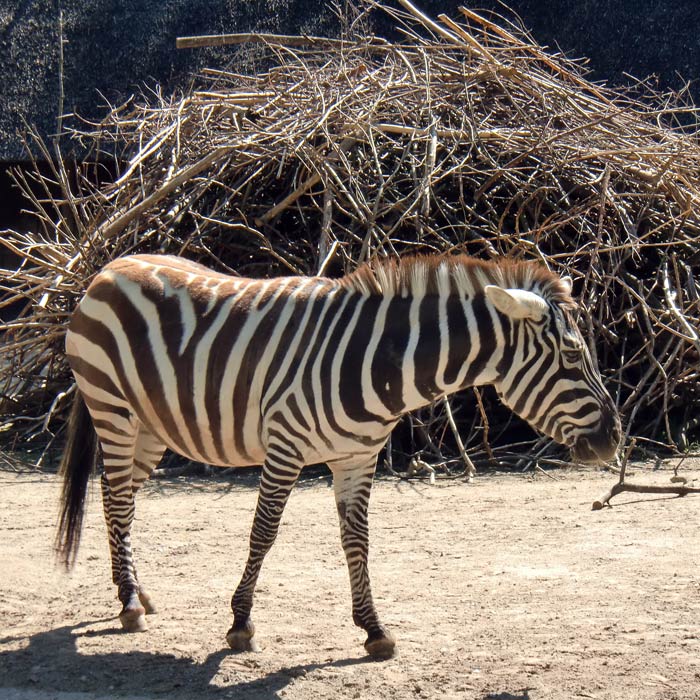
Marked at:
<point>156,345</point>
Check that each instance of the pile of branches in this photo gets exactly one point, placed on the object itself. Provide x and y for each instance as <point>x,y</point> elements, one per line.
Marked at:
<point>465,135</point>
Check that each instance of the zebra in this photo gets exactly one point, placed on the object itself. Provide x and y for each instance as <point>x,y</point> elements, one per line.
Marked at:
<point>290,371</point>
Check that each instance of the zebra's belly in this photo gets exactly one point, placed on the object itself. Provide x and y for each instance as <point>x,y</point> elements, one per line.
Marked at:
<point>348,448</point>
<point>220,450</point>
<point>343,450</point>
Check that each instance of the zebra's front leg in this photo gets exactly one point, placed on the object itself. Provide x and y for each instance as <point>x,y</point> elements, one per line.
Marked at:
<point>352,485</point>
<point>279,475</point>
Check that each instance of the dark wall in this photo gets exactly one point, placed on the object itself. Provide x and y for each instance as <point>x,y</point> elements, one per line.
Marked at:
<point>113,47</point>
<point>639,37</point>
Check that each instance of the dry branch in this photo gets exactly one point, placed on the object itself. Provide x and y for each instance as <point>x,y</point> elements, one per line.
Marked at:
<point>623,486</point>
<point>626,486</point>
<point>193,42</point>
<point>465,136</point>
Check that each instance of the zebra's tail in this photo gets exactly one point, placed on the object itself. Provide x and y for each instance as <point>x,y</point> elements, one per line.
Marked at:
<point>77,464</point>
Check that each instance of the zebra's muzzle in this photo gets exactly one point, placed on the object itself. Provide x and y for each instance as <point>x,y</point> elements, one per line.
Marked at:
<point>583,453</point>
<point>598,447</point>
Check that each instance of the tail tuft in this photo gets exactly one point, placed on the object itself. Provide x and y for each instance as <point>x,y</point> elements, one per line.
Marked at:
<point>77,465</point>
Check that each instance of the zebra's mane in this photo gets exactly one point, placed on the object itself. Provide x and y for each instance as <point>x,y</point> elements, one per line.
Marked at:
<point>436,274</point>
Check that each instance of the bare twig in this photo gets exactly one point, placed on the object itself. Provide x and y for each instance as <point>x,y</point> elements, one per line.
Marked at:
<point>470,469</point>
<point>623,486</point>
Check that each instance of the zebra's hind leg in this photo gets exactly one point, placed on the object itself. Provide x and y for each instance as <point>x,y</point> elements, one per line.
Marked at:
<point>279,475</point>
<point>352,485</point>
<point>125,472</point>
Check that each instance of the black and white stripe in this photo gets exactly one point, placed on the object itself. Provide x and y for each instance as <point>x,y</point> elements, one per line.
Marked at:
<point>291,371</point>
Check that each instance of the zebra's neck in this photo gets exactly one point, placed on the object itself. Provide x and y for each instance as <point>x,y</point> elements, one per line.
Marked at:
<point>418,347</point>
<point>433,331</point>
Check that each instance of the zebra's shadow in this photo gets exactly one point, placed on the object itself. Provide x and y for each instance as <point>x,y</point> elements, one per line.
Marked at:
<point>52,662</point>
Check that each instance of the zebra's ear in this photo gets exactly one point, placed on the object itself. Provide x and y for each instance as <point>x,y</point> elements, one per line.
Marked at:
<point>516,303</point>
<point>568,283</point>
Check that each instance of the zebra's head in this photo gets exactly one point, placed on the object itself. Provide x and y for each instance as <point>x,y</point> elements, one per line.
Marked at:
<point>547,375</point>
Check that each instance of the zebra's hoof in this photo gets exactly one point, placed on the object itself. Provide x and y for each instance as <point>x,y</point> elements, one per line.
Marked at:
<point>133,620</point>
<point>381,648</point>
<point>147,603</point>
<point>239,640</point>
<point>242,637</point>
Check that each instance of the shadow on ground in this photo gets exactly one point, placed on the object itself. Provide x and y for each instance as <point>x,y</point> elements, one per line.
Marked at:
<point>52,663</point>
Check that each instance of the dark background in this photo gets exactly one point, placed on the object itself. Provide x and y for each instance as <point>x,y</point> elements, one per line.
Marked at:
<point>115,47</point>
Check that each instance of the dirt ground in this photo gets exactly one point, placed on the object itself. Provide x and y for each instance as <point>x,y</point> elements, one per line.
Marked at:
<point>509,588</point>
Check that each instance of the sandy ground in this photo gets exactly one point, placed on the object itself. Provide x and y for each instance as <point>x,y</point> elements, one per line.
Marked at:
<point>510,588</point>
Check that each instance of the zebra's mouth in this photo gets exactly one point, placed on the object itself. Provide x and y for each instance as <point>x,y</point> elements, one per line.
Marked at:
<point>587,451</point>
<point>599,445</point>
<point>582,452</point>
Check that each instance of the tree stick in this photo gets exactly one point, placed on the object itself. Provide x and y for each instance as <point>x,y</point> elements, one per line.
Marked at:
<point>470,468</point>
<point>671,295</point>
<point>193,42</point>
<point>621,486</point>
<point>115,225</point>
<point>430,24</point>
<point>641,488</point>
